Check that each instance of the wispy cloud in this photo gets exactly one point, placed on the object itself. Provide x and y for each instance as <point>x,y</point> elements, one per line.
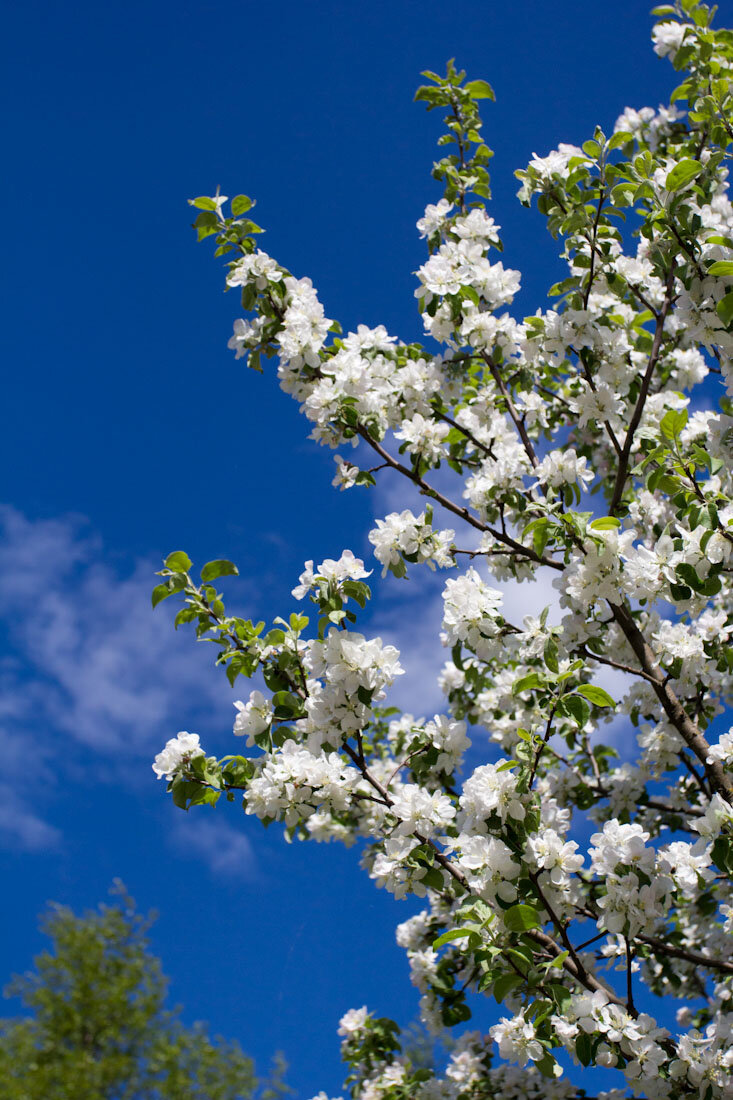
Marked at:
<point>225,849</point>
<point>21,827</point>
<point>408,615</point>
<point>93,681</point>
<point>115,674</point>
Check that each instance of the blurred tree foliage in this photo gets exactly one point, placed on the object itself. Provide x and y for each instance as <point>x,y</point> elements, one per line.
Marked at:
<point>99,1028</point>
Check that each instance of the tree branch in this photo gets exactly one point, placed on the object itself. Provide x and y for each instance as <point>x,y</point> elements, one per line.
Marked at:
<point>623,465</point>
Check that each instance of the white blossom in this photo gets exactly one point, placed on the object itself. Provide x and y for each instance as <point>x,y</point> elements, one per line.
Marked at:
<point>177,752</point>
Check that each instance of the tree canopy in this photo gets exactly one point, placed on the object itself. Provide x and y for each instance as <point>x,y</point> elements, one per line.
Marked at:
<point>99,1028</point>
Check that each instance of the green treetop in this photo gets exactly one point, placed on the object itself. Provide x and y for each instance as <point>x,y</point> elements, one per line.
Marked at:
<point>99,1028</point>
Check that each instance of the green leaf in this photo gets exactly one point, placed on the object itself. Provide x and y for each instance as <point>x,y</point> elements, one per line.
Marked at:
<point>721,267</point>
<point>673,422</point>
<point>453,1014</point>
<point>618,139</point>
<point>682,173</point>
<point>605,523</point>
<point>286,704</point>
<point>577,708</point>
<point>432,96</point>
<point>527,683</point>
<point>560,994</point>
<point>178,562</point>
<point>203,203</point>
<point>722,853</point>
<point>682,91</point>
<point>546,1066</point>
<point>161,592</point>
<point>724,308</point>
<point>479,89</point>
<point>550,655</point>
<point>241,204</point>
<point>505,984</point>
<point>520,918</point>
<point>432,878</point>
<point>595,695</point>
<point>454,934</point>
<point>583,1048</point>
<point>219,568</point>
<point>687,574</point>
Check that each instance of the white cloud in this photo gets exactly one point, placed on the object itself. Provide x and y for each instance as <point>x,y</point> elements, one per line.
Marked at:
<point>408,615</point>
<point>225,849</point>
<point>95,681</point>
<point>21,828</point>
<point>116,674</point>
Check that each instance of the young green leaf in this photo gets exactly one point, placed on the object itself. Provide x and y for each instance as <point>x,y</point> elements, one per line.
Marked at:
<point>724,308</point>
<point>479,89</point>
<point>595,695</point>
<point>682,173</point>
<point>241,204</point>
<point>178,562</point>
<point>219,568</point>
<point>520,918</point>
<point>721,267</point>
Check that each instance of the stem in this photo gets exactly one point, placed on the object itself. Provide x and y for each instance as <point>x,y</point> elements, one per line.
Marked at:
<point>572,965</point>
<point>464,431</point>
<point>511,409</point>
<point>629,979</point>
<point>584,652</point>
<point>623,465</point>
<point>540,750</point>
<point>688,731</point>
<point>592,242</point>
<point>456,509</point>
<point>689,956</point>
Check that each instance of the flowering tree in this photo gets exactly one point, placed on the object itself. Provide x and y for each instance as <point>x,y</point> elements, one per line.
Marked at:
<point>580,443</point>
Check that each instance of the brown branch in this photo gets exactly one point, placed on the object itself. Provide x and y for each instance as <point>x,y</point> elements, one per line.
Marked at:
<point>584,652</point>
<point>593,247</point>
<point>623,465</point>
<point>688,731</point>
<point>588,980</point>
<point>464,431</point>
<point>511,409</point>
<point>538,754</point>
<point>689,956</point>
<point>456,509</point>
<point>574,967</point>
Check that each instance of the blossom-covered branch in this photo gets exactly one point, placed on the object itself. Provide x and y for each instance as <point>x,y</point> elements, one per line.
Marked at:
<point>572,870</point>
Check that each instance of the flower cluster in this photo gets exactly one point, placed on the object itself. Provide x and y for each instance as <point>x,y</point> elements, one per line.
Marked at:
<point>402,536</point>
<point>177,753</point>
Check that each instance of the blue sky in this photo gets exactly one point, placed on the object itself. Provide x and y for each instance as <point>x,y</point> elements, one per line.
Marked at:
<point>131,431</point>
